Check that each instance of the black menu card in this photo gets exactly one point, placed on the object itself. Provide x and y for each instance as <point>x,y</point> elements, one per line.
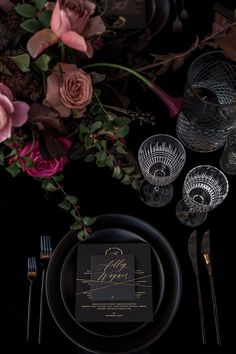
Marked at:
<point>114,283</point>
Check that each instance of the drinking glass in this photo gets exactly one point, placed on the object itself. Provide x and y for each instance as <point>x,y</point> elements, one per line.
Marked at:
<point>161,158</point>
<point>204,188</point>
<point>209,110</point>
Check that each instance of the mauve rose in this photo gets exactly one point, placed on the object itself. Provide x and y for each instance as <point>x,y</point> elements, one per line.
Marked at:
<point>44,168</point>
<point>72,22</point>
<point>73,91</point>
<point>12,113</point>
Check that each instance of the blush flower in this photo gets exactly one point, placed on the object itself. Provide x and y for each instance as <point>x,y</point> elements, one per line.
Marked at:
<point>72,91</point>
<point>44,168</point>
<point>72,22</point>
<point>12,113</point>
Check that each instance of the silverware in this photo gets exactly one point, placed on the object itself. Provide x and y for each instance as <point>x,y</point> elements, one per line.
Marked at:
<point>177,25</point>
<point>31,275</point>
<point>205,250</point>
<point>192,251</point>
<point>45,254</point>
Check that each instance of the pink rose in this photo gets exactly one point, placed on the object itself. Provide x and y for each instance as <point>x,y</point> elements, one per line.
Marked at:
<point>73,91</point>
<point>44,168</point>
<point>72,22</point>
<point>12,113</point>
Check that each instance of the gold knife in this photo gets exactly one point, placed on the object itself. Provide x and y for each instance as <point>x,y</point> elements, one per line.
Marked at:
<point>206,253</point>
<point>192,251</point>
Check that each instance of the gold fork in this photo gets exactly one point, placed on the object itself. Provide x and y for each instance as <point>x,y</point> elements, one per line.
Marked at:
<point>31,275</point>
<point>45,254</point>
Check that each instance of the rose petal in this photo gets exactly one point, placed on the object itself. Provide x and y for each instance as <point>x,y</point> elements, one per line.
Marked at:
<point>59,22</point>
<point>75,41</point>
<point>20,114</point>
<point>94,26</point>
<point>4,90</point>
<point>5,133</point>
<point>40,41</point>
<point>90,6</point>
<point>6,104</point>
<point>3,117</point>
<point>6,5</point>
<point>52,97</point>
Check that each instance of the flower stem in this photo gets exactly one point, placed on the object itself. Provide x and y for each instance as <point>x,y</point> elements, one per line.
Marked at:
<point>174,104</point>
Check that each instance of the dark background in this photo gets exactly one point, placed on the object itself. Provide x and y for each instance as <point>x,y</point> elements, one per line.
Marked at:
<point>26,214</point>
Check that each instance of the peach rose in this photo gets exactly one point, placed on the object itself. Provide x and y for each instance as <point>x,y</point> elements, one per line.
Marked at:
<point>12,113</point>
<point>71,92</point>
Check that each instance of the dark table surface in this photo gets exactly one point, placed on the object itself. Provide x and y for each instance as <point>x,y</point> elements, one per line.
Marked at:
<point>26,214</point>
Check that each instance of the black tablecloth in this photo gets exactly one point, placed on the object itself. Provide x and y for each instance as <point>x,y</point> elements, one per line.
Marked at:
<point>26,214</point>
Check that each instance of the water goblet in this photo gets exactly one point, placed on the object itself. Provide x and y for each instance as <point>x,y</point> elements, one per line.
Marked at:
<point>161,158</point>
<point>209,108</point>
<point>204,188</point>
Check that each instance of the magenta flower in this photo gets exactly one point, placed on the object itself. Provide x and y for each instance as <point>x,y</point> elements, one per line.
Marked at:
<point>44,168</point>
<point>71,23</point>
<point>12,113</point>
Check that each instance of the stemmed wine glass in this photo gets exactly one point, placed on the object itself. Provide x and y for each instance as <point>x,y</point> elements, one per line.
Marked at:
<point>205,187</point>
<point>161,158</point>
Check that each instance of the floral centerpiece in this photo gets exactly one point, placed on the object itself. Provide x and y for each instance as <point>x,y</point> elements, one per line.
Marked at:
<point>51,97</point>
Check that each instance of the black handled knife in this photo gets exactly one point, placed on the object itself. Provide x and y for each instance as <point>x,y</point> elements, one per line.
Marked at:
<point>192,251</point>
<point>206,253</point>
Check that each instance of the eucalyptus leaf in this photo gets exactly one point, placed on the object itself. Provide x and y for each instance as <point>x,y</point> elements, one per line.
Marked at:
<point>50,187</point>
<point>95,126</point>
<point>72,199</point>
<point>31,25</point>
<point>121,121</point>
<point>109,161</point>
<point>42,62</point>
<point>45,18</point>
<point>75,215</point>
<point>121,150</point>
<point>87,221</point>
<point>122,132</point>
<point>26,10</point>
<point>101,155</point>
<point>4,70</point>
<point>65,204</point>
<point>13,169</point>
<point>82,234</point>
<point>89,158</point>
<point>76,226</point>
<point>117,173</point>
<point>126,179</point>
<point>22,61</point>
<point>40,4</point>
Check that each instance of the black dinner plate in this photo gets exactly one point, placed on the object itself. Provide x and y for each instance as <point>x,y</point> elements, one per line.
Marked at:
<point>153,330</point>
<point>68,284</point>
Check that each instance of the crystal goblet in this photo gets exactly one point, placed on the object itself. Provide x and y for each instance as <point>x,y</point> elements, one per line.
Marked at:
<point>204,188</point>
<point>161,158</point>
<point>209,109</point>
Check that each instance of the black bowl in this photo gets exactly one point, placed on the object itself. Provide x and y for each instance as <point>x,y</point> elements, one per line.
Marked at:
<point>68,284</point>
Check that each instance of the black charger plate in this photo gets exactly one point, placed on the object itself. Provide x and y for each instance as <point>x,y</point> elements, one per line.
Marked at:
<point>152,331</point>
<point>68,284</point>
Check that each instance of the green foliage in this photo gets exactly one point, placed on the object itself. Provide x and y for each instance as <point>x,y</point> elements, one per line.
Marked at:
<point>22,61</point>
<point>31,25</point>
<point>26,10</point>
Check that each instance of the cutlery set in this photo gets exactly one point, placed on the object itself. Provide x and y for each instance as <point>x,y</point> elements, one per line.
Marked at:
<point>32,272</point>
<point>206,254</point>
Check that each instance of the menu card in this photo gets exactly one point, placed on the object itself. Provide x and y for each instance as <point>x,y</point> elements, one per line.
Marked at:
<point>114,283</point>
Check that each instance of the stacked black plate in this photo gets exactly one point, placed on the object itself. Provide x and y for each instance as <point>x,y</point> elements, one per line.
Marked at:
<point>115,337</point>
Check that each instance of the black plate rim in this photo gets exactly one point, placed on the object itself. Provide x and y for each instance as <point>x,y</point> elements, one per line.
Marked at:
<point>131,346</point>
